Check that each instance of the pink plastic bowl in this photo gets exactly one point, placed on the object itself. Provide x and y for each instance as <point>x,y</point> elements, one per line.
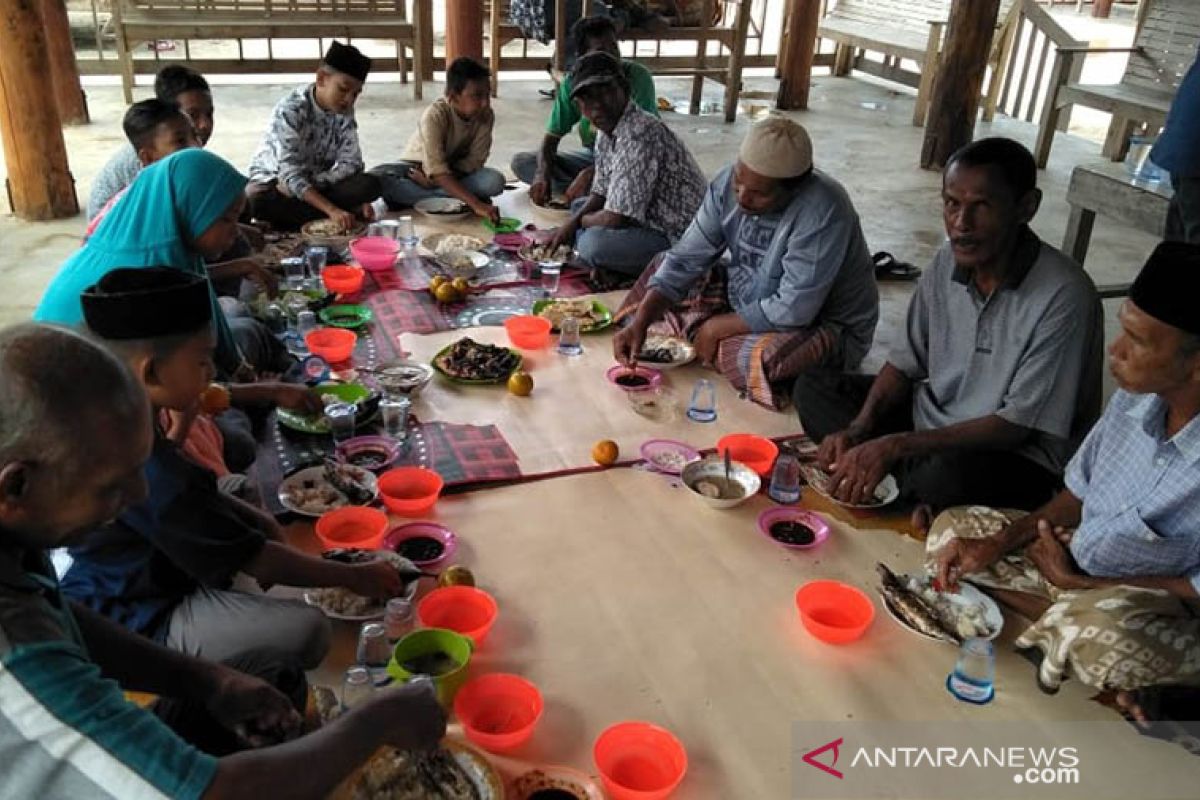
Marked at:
<point>375,253</point>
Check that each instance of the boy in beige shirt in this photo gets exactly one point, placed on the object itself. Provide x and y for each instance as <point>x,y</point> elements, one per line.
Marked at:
<point>445,156</point>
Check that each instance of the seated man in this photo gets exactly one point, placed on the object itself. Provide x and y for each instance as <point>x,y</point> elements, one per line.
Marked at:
<point>772,278</point>
<point>309,164</point>
<point>177,85</point>
<point>1110,568</point>
<point>549,172</point>
<point>446,155</point>
<point>1178,152</point>
<point>647,185</point>
<point>998,376</point>
<point>74,433</point>
<point>164,567</point>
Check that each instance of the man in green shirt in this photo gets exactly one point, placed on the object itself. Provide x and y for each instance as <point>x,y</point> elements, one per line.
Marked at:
<point>549,172</point>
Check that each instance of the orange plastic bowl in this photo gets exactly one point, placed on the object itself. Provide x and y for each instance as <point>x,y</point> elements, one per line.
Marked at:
<point>755,452</point>
<point>352,526</point>
<point>335,345</point>
<point>528,332</point>
<point>498,711</point>
<point>375,253</point>
<point>343,278</point>
<point>410,491</point>
<point>462,609</point>
<point>834,612</point>
<point>639,761</point>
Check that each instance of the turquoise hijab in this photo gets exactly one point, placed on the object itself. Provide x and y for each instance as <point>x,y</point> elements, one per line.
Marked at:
<point>167,206</point>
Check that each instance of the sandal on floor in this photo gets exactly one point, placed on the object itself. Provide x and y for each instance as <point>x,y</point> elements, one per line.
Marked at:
<point>887,268</point>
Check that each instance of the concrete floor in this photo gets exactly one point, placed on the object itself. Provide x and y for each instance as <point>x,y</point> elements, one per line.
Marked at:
<point>860,129</point>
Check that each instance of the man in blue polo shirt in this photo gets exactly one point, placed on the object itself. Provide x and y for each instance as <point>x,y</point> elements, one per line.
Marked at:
<point>1178,152</point>
<point>75,433</point>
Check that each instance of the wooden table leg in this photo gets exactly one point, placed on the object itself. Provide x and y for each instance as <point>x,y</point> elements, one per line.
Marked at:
<point>1079,233</point>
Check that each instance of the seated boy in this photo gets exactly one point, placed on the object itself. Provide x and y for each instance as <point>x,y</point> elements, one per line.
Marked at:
<point>446,155</point>
<point>309,164</point>
<point>164,567</point>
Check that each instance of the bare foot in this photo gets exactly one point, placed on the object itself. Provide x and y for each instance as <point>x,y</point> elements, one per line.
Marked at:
<point>922,518</point>
<point>1127,705</point>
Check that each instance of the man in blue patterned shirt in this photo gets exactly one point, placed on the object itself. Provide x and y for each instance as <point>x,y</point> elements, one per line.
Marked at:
<point>1110,568</point>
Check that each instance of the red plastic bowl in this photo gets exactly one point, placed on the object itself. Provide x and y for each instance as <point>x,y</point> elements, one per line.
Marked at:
<point>755,452</point>
<point>410,491</point>
<point>352,526</point>
<point>834,612</point>
<point>375,253</point>
<point>498,711</point>
<point>528,332</point>
<point>343,278</point>
<point>462,609</point>
<point>639,761</point>
<point>335,345</point>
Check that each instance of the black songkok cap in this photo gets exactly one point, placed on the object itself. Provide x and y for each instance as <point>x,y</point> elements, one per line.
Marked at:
<point>1167,287</point>
<point>346,58</point>
<point>147,303</point>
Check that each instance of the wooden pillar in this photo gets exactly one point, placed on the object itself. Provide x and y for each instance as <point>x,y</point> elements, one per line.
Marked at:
<point>959,81</point>
<point>799,51</point>
<point>64,72</point>
<point>39,183</point>
<point>1102,8</point>
<point>464,30</point>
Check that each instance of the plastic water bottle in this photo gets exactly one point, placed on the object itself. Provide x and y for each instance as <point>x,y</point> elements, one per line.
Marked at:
<point>974,676</point>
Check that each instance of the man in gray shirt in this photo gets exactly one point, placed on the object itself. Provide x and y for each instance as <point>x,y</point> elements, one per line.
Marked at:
<point>998,378</point>
<point>773,276</point>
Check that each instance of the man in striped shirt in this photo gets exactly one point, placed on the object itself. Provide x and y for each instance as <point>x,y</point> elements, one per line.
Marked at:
<point>75,433</point>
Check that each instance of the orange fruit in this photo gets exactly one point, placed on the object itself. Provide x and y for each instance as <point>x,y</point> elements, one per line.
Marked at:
<point>520,384</point>
<point>461,286</point>
<point>214,399</point>
<point>456,576</point>
<point>605,452</point>
<point>446,293</point>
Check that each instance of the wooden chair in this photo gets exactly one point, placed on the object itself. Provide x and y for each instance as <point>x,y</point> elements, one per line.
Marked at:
<point>902,30</point>
<point>139,21</point>
<point>1163,49</point>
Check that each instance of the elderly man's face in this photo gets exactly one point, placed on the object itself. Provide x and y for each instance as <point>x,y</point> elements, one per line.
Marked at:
<point>603,105</point>
<point>46,504</point>
<point>1150,356</point>
<point>981,214</point>
<point>757,194</point>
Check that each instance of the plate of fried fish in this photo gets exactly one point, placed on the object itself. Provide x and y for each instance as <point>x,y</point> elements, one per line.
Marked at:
<point>313,491</point>
<point>469,361</point>
<point>918,606</point>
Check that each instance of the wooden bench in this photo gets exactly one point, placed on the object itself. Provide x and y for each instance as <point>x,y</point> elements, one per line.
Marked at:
<point>725,69</point>
<point>1163,49</point>
<point>902,30</point>
<point>139,21</point>
<point>1106,189</point>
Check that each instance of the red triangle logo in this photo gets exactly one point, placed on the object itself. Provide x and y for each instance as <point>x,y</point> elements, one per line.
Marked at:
<point>810,758</point>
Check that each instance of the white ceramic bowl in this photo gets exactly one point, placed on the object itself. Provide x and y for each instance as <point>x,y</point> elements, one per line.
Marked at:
<point>411,378</point>
<point>713,467</point>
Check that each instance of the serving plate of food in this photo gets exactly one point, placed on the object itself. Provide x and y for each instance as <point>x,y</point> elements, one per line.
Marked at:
<point>666,352</point>
<point>546,253</point>
<point>952,617</point>
<point>668,455</point>
<point>342,604</point>
<point>471,362</point>
<point>886,492</point>
<point>313,491</point>
<point>329,233</point>
<point>592,314</point>
<point>442,208</point>
<point>453,771</point>
<point>456,253</point>
<point>402,377</point>
<point>366,401</point>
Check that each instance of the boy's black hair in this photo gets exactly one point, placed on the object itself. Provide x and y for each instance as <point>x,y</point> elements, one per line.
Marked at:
<point>143,118</point>
<point>1008,160</point>
<point>590,28</point>
<point>463,71</point>
<point>176,79</point>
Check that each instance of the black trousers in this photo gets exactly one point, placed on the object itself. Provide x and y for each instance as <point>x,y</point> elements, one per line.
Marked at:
<point>289,213</point>
<point>193,722</point>
<point>828,402</point>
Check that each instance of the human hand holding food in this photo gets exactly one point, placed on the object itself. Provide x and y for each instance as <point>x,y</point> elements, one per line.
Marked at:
<point>539,190</point>
<point>416,703</point>
<point>342,218</point>
<point>964,557</point>
<point>376,579</point>
<point>628,343</point>
<point>487,211</point>
<point>253,709</point>
<point>859,470</point>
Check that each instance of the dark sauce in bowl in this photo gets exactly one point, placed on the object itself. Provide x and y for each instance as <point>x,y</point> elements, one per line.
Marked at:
<point>632,381</point>
<point>553,794</point>
<point>421,548</point>
<point>791,532</point>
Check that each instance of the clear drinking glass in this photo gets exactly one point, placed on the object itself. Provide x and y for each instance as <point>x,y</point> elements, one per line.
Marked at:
<point>293,273</point>
<point>315,258</point>
<point>341,420</point>
<point>703,405</point>
<point>394,413</point>
<point>569,342</point>
<point>974,675</point>
<point>306,322</point>
<point>397,618</point>
<point>357,687</point>
<point>405,231</point>
<point>550,275</point>
<point>785,480</point>
<point>373,648</point>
